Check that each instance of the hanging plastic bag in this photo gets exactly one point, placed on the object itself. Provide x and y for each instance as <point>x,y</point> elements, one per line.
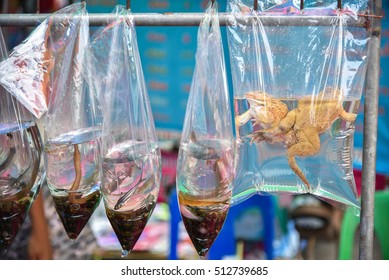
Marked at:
<point>131,157</point>
<point>33,68</point>
<point>205,162</point>
<point>296,94</point>
<point>72,129</point>
<point>21,168</point>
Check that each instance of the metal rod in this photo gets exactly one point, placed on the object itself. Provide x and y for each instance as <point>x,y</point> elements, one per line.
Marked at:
<point>255,5</point>
<point>301,4</point>
<point>128,4</point>
<point>370,139</point>
<point>179,19</point>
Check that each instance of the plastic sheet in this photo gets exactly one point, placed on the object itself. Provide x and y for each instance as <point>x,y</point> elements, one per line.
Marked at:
<point>205,166</point>
<point>296,94</point>
<point>131,157</point>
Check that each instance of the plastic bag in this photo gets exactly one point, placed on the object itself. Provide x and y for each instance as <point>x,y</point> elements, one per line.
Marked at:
<point>205,165</point>
<point>21,168</point>
<point>33,69</point>
<point>323,7</point>
<point>296,94</point>
<point>131,157</point>
<point>72,129</point>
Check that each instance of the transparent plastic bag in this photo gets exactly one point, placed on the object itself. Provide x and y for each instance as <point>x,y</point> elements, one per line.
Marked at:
<point>296,94</point>
<point>33,69</point>
<point>131,157</point>
<point>72,128</point>
<point>206,162</point>
<point>21,167</point>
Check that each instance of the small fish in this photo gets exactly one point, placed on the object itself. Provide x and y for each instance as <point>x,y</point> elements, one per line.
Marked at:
<point>204,149</point>
<point>143,184</point>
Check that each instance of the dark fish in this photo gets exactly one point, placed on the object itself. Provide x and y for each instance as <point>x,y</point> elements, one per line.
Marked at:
<point>143,184</point>
<point>204,149</point>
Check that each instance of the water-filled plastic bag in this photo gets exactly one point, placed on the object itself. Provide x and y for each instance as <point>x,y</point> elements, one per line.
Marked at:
<point>297,89</point>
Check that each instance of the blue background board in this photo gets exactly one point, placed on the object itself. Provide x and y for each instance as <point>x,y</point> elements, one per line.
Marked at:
<point>383,119</point>
<point>168,58</point>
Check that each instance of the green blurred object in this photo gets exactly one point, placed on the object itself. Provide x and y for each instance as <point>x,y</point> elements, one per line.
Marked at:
<point>350,224</point>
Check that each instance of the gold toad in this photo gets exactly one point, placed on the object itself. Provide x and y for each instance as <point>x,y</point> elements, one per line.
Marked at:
<point>301,127</point>
<point>264,110</point>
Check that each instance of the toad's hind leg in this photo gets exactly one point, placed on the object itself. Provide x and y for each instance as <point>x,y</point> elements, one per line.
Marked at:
<point>348,117</point>
<point>308,143</point>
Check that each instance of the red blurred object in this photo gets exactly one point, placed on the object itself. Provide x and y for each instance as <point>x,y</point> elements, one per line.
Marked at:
<point>379,185</point>
<point>168,180</point>
<point>49,6</point>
